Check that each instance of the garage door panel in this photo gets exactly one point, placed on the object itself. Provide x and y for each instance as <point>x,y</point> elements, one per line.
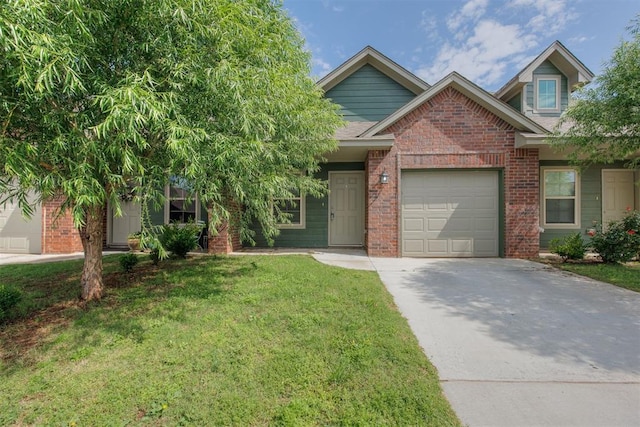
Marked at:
<point>413,224</point>
<point>436,204</point>
<point>461,225</point>
<point>485,246</point>
<point>461,246</point>
<point>437,246</point>
<point>436,224</point>
<point>460,215</point>
<point>413,203</point>
<point>18,235</point>
<point>413,246</point>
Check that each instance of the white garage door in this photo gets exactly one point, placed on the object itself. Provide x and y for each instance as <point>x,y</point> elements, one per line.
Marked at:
<point>450,214</point>
<point>18,235</point>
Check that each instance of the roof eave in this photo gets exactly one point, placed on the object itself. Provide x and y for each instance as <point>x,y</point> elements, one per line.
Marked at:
<point>473,92</point>
<point>369,55</point>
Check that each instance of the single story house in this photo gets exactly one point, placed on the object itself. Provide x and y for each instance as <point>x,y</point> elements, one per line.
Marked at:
<point>443,170</point>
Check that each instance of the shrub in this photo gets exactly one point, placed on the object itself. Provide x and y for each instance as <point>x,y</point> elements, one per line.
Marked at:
<point>154,255</point>
<point>9,298</point>
<point>180,238</point>
<point>621,241</point>
<point>128,261</point>
<point>570,247</point>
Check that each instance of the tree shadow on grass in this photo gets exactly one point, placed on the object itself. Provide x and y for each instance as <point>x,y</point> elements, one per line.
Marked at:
<point>127,297</point>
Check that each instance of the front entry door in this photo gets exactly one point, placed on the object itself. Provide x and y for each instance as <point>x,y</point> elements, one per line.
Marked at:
<point>126,224</point>
<point>617,194</point>
<point>346,208</point>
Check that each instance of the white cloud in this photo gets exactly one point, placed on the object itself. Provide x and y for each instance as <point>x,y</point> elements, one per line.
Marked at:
<point>428,22</point>
<point>483,57</point>
<point>552,15</point>
<point>322,65</point>
<point>579,39</point>
<point>471,11</point>
<point>487,39</point>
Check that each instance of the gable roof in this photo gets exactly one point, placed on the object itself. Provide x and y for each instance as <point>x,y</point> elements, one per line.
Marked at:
<point>470,90</point>
<point>577,73</point>
<point>370,56</point>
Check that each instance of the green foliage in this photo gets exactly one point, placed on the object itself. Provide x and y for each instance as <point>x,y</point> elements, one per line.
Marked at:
<point>622,275</point>
<point>621,240</point>
<point>604,120</point>
<point>9,298</point>
<point>154,256</point>
<point>179,239</point>
<point>128,261</point>
<point>570,247</point>
<point>105,98</point>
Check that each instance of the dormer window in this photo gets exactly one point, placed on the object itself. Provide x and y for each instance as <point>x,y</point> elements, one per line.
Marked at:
<point>547,95</point>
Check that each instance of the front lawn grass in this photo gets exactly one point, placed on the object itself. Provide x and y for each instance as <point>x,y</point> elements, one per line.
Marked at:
<point>270,340</point>
<point>623,275</point>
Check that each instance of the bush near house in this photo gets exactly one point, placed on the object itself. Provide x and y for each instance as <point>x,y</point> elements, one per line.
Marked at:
<point>570,247</point>
<point>179,239</point>
<point>621,241</point>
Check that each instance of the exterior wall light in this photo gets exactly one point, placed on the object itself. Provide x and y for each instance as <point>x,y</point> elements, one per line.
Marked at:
<point>384,178</point>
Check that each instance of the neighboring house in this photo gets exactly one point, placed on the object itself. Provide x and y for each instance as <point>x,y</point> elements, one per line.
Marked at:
<point>448,170</point>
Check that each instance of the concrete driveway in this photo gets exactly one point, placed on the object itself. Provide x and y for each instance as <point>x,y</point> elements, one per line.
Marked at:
<point>517,343</point>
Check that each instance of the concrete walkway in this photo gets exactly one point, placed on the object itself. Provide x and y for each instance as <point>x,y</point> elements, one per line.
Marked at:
<point>518,343</point>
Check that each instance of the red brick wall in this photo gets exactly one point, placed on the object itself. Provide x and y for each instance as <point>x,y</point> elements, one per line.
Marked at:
<point>451,131</point>
<point>59,236</point>
<point>227,239</point>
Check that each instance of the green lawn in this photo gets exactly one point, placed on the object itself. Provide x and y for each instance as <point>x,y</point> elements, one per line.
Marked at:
<point>280,340</point>
<point>623,275</point>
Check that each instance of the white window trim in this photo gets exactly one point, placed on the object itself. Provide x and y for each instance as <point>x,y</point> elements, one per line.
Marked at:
<point>167,205</point>
<point>558,80</point>
<point>303,214</point>
<point>543,199</point>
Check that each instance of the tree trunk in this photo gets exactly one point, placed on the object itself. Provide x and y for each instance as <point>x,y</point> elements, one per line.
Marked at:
<point>91,235</point>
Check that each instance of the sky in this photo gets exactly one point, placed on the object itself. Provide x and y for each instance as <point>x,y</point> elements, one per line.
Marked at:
<point>487,41</point>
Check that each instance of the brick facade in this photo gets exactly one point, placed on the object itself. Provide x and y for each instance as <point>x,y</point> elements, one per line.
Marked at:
<point>451,131</point>
<point>59,236</point>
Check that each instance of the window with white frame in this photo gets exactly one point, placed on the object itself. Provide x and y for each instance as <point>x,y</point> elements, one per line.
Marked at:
<point>560,198</point>
<point>181,202</point>
<point>294,208</point>
<point>547,93</point>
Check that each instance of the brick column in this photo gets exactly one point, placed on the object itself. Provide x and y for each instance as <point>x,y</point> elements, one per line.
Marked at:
<point>59,236</point>
<point>381,220</point>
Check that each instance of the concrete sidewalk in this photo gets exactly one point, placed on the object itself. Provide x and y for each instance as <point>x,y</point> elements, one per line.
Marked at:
<point>518,343</point>
<point>6,259</point>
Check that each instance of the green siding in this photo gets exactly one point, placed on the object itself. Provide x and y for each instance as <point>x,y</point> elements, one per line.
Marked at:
<point>369,95</point>
<point>316,233</point>
<point>516,102</point>
<point>549,69</point>
<point>590,201</point>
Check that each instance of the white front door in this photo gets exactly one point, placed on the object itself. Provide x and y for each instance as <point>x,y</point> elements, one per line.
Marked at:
<point>617,194</point>
<point>346,208</point>
<point>126,224</point>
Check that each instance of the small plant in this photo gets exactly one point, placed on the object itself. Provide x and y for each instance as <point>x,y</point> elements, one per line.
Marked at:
<point>179,239</point>
<point>9,298</point>
<point>154,255</point>
<point>570,247</point>
<point>128,261</point>
<point>621,241</point>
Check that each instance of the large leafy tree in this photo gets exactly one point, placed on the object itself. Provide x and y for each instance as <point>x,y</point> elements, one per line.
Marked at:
<point>603,124</point>
<point>100,98</point>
